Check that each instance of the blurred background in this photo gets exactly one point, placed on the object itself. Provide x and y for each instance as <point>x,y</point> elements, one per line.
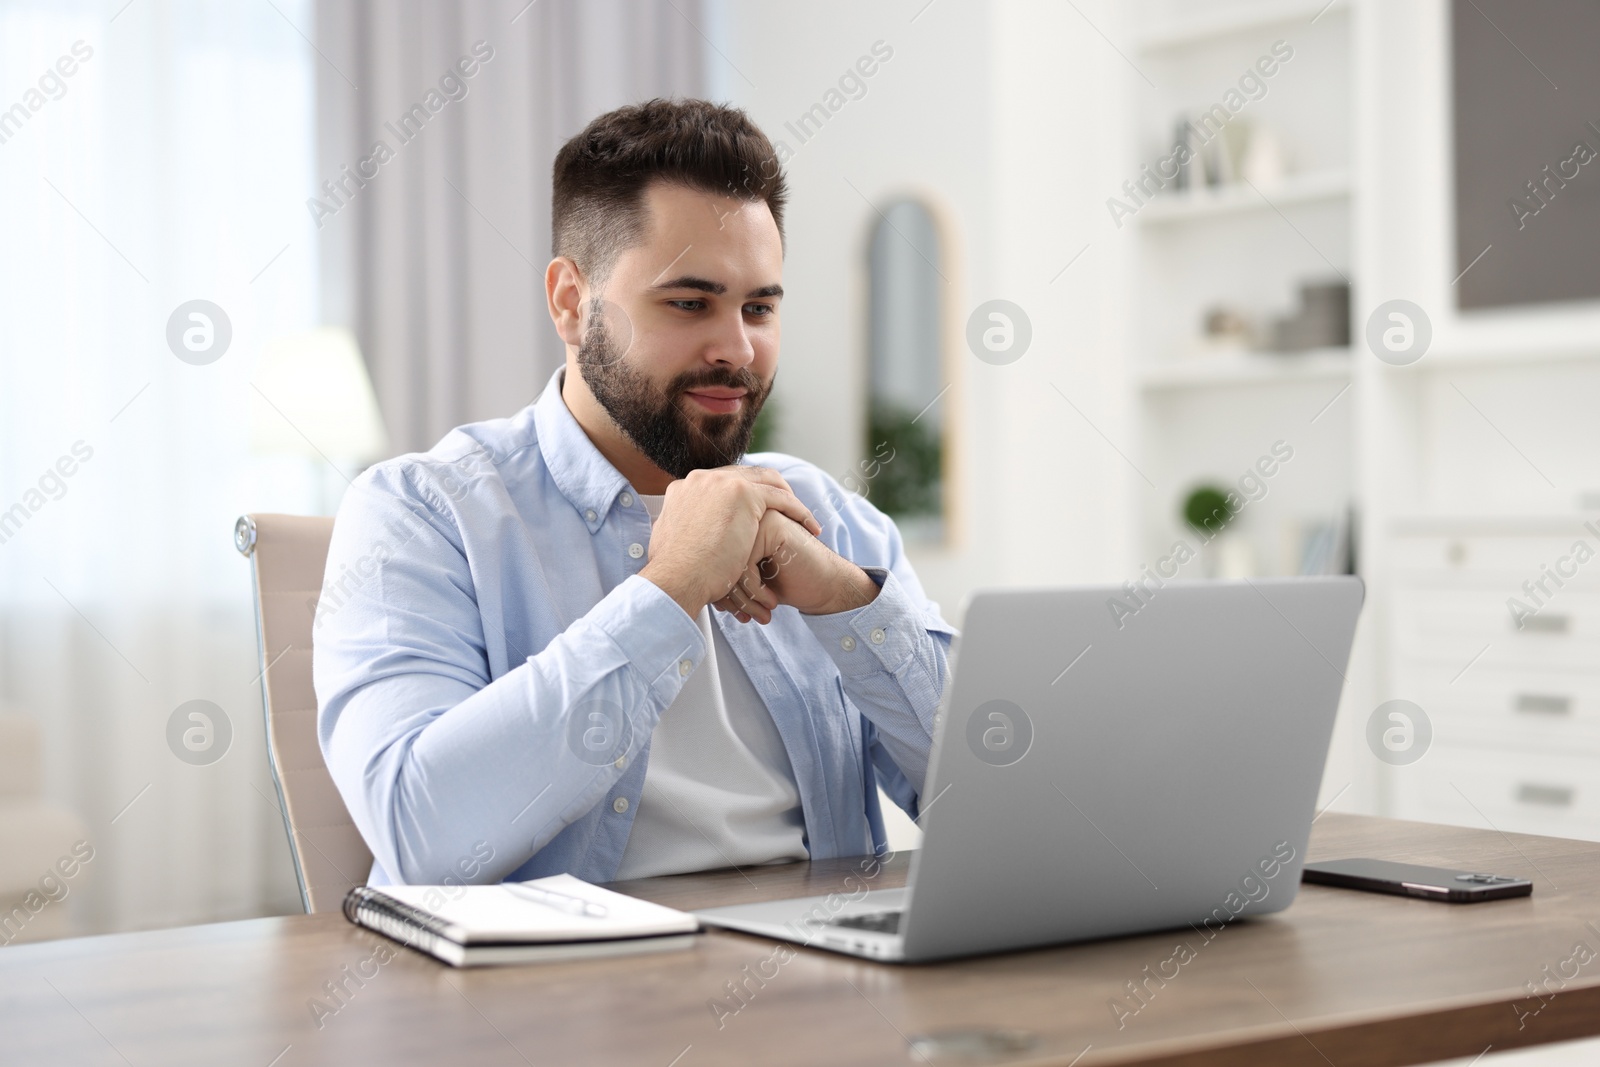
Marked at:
<point>1081,292</point>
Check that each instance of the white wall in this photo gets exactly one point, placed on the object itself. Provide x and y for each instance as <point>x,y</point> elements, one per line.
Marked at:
<point>1006,117</point>
<point>1059,475</point>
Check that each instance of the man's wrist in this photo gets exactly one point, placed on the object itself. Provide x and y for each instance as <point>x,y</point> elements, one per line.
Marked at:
<point>682,589</point>
<point>854,589</point>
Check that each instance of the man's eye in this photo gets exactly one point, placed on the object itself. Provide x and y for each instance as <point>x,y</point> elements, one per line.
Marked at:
<point>695,305</point>
<point>761,310</point>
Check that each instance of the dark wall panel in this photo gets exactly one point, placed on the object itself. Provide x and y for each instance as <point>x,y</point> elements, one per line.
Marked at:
<point>1527,150</point>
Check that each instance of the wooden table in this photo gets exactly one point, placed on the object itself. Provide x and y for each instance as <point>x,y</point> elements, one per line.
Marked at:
<point>1341,977</point>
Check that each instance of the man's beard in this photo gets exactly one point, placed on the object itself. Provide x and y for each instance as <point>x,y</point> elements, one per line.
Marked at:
<point>654,419</point>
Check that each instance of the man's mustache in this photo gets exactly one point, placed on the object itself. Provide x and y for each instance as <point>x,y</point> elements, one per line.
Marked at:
<point>740,379</point>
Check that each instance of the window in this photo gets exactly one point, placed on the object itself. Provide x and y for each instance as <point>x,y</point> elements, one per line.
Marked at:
<point>171,165</point>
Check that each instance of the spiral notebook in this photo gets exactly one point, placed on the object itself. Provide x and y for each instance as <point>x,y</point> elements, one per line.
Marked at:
<point>468,926</point>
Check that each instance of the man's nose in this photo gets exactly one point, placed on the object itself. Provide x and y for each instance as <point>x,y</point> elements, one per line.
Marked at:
<point>731,345</point>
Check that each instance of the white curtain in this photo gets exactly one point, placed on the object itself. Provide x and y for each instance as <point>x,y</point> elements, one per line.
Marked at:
<point>181,160</point>
<point>437,261</point>
<point>170,165</point>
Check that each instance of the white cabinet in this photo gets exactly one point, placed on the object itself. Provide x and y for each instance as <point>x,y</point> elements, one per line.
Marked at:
<point>1513,698</point>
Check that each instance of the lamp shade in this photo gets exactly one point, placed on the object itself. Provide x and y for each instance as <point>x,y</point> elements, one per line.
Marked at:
<point>312,397</point>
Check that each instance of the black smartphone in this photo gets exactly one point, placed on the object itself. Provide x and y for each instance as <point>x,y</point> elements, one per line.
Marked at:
<point>1413,880</point>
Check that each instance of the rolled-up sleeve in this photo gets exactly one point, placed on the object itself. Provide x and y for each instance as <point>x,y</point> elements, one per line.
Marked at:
<point>429,751</point>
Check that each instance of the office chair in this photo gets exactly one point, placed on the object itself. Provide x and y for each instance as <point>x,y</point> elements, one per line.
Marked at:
<point>287,554</point>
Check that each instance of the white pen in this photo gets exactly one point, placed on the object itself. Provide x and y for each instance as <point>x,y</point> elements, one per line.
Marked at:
<point>560,901</point>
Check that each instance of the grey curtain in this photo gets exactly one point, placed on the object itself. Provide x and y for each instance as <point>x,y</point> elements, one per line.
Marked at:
<point>437,126</point>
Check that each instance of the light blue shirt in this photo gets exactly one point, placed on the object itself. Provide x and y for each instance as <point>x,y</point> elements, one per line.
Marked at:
<point>484,646</point>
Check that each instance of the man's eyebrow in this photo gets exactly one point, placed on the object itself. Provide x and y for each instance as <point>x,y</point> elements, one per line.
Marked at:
<point>706,285</point>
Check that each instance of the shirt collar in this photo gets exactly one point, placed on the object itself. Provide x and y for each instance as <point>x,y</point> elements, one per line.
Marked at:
<point>585,477</point>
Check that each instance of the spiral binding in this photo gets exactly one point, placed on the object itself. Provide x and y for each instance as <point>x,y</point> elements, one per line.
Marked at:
<point>369,908</point>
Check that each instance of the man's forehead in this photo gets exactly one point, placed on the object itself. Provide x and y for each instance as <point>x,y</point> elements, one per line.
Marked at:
<point>677,213</point>
<point>675,201</point>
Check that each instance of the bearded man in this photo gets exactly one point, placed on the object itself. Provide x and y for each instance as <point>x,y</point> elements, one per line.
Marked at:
<point>595,637</point>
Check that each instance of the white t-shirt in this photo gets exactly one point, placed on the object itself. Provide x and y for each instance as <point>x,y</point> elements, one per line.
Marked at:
<point>719,790</point>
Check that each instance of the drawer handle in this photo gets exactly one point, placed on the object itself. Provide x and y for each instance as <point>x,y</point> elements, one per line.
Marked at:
<point>1545,624</point>
<point>1544,704</point>
<point>1551,796</point>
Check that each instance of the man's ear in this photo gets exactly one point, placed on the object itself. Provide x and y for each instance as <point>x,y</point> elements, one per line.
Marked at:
<point>566,291</point>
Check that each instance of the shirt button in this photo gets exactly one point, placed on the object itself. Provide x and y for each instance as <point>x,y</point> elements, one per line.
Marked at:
<point>847,643</point>
<point>684,667</point>
<point>877,635</point>
<point>626,500</point>
<point>636,550</point>
<point>622,761</point>
<point>619,805</point>
<point>590,515</point>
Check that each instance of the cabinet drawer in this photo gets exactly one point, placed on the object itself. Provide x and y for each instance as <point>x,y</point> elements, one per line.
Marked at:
<point>1545,711</point>
<point>1489,559</point>
<point>1516,792</point>
<point>1455,624</point>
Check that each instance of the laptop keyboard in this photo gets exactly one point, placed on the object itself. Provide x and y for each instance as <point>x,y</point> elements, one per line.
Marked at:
<point>882,922</point>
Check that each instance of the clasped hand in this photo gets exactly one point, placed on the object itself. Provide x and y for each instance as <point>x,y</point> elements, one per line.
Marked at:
<point>738,538</point>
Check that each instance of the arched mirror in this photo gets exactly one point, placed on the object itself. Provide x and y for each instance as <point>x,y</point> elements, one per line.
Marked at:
<point>904,470</point>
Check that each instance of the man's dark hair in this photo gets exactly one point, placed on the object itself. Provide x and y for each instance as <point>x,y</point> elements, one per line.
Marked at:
<point>598,183</point>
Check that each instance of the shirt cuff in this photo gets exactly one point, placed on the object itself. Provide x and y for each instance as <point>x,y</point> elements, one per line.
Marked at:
<point>880,636</point>
<point>661,642</point>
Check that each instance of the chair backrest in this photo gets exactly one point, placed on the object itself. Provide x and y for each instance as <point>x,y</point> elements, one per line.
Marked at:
<point>287,555</point>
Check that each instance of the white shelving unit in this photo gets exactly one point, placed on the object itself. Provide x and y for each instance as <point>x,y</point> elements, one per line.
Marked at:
<point>1204,417</point>
<point>1468,469</point>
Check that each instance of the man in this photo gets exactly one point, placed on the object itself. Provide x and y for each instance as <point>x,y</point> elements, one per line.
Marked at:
<point>517,667</point>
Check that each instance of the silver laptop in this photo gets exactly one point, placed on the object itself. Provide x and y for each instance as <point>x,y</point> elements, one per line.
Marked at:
<point>1106,764</point>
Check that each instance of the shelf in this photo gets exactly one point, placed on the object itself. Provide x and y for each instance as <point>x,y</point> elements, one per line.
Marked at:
<point>1254,368</point>
<point>1497,357</point>
<point>1239,20</point>
<point>1210,202</point>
